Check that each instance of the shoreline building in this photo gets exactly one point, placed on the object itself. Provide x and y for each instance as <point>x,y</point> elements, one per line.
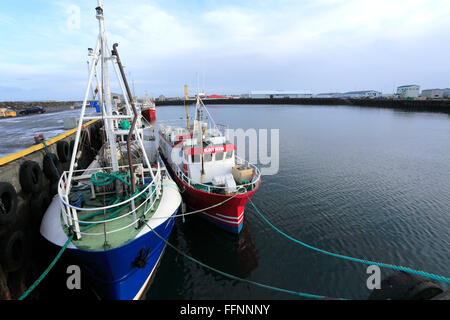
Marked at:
<point>277,94</point>
<point>328,95</point>
<point>433,93</point>
<point>367,94</point>
<point>409,91</point>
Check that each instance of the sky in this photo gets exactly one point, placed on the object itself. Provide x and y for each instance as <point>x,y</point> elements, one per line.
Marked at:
<point>233,46</point>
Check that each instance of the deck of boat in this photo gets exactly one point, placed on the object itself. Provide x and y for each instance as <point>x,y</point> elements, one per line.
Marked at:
<point>93,238</point>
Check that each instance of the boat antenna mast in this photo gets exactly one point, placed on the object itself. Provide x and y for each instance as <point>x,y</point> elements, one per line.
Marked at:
<point>186,106</point>
<point>200,128</point>
<point>106,92</point>
<point>135,117</point>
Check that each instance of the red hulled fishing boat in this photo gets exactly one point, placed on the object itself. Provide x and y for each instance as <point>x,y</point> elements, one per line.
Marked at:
<point>204,165</point>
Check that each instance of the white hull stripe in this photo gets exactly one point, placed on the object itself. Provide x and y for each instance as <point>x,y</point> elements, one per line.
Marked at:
<point>223,220</point>
<point>231,218</point>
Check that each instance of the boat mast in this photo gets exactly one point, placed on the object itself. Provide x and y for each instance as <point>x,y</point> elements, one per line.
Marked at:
<point>200,125</point>
<point>135,116</point>
<point>106,98</point>
<point>186,106</point>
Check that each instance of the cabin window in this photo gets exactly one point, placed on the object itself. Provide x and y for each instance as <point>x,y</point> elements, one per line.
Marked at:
<point>229,154</point>
<point>219,156</point>
<point>195,158</point>
<point>207,157</point>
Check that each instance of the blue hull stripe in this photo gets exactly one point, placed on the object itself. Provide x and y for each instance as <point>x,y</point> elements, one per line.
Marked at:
<point>112,273</point>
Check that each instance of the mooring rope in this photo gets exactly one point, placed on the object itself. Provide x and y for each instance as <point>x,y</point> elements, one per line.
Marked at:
<point>368,262</point>
<point>44,274</point>
<point>200,210</point>
<point>296,293</point>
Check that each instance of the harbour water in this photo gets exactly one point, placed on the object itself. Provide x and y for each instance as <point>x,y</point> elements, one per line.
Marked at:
<point>368,183</point>
<point>365,182</point>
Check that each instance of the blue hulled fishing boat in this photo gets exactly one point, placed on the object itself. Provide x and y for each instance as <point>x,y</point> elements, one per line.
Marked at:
<point>114,215</point>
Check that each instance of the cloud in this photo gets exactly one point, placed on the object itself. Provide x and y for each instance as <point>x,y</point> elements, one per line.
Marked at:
<point>237,45</point>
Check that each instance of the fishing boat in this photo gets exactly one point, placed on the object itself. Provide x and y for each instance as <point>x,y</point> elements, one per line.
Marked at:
<point>148,109</point>
<point>115,215</point>
<point>204,164</point>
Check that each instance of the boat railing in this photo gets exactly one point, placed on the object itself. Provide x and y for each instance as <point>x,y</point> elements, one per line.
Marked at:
<point>221,189</point>
<point>70,212</point>
<point>182,122</point>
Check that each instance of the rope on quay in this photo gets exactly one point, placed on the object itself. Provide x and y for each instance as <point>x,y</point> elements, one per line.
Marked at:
<point>301,294</point>
<point>368,262</point>
<point>44,274</point>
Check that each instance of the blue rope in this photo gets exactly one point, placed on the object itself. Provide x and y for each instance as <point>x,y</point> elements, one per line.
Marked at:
<point>368,262</point>
<point>301,294</point>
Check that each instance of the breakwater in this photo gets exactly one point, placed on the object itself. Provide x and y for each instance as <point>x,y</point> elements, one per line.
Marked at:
<point>21,105</point>
<point>441,106</point>
<point>28,182</point>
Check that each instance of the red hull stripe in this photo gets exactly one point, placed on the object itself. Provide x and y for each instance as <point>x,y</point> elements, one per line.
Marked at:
<point>222,148</point>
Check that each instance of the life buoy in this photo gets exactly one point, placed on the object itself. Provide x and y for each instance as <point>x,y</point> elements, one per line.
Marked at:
<point>8,202</point>
<point>50,166</point>
<point>12,251</point>
<point>63,150</point>
<point>30,176</point>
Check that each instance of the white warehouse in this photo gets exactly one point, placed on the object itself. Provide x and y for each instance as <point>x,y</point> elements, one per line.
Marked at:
<point>410,91</point>
<point>362,94</point>
<point>274,94</point>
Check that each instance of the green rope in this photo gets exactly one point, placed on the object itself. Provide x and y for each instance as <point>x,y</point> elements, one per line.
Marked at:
<point>108,178</point>
<point>301,294</point>
<point>368,262</point>
<point>44,274</point>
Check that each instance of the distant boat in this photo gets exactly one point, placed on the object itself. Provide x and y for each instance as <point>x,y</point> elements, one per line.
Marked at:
<point>149,109</point>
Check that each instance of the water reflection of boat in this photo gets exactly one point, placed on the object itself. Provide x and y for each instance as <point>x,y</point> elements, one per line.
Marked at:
<point>220,249</point>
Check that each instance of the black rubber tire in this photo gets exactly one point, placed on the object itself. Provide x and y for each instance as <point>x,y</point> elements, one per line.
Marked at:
<point>53,189</point>
<point>30,177</point>
<point>8,203</point>
<point>63,150</point>
<point>22,279</point>
<point>52,171</point>
<point>39,203</point>
<point>12,251</point>
<point>406,286</point>
<point>71,145</point>
<point>94,136</point>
